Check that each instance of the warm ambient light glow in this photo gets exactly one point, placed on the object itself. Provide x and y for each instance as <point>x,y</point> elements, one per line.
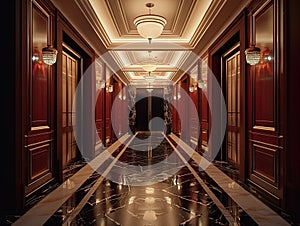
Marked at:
<point>252,55</point>
<point>150,26</point>
<point>49,55</point>
<point>110,88</point>
<point>149,67</point>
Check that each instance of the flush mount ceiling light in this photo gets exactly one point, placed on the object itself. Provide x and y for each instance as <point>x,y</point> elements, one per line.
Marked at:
<point>49,55</point>
<point>150,25</point>
<point>149,65</point>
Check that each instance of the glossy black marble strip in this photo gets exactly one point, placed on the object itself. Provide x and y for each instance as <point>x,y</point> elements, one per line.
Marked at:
<point>74,203</point>
<point>99,181</point>
<point>43,210</point>
<point>219,204</point>
<point>174,200</point>
<point>259,212</point>
<point>239,216</point>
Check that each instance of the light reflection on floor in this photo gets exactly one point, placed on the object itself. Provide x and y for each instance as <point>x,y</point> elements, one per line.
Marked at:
<point>151,187</point>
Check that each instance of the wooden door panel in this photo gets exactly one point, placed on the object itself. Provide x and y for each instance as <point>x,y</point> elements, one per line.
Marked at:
<point>70,67</point>
<point>40,89</point>
<point>232,90</point>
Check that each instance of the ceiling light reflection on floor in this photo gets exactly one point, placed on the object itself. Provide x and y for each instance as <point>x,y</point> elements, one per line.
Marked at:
<point>149,215</point>
<point>149,190</point>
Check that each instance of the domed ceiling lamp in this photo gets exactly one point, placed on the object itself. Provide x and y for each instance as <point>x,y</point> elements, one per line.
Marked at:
<point>150,25</point>
<point>149,65</point>
<point>252,53</point>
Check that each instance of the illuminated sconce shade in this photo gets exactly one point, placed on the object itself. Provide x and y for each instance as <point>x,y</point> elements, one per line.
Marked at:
<point>193,87</point>
<point>202,84</point>
<point>110,88</point>
<point>150,26</point>
<point>252,55</point>
<point>49,55</point>
<point>177,97</point>
<point>267,55</point>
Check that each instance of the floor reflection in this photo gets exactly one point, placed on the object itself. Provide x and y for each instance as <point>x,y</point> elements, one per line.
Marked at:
<point>165,197</point>
<point>165,203</point>
<point>145,183</point>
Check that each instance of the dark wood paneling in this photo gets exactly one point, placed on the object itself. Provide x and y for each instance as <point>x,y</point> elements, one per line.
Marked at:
<point>193,115</point>
<point>183,109</point>
<point>265,163</point>
<point>291,58</point>
<point>265,120</point>
<point>233,36</point>
<point>69,40</point>
<point>39,158</point>
<point>108,106</point>
<point>99,115</point>
<point>263,99</point>
<point>40,93</point>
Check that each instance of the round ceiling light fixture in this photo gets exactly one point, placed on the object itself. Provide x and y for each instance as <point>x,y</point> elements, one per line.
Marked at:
<point>149,66</point>
<point>150,25</point>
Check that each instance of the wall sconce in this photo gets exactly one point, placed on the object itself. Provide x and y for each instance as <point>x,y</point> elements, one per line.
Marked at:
<point>122,97</point>
<point>49,55</point>
<point>267,55</point>
<point>177,97</point>
<point>252,55</point>
<point>193,87</point>
<point>35,58</point>
<point>202,84</point>
<point>110,88</point>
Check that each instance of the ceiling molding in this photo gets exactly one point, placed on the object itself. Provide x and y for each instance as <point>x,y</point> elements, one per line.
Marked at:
<point>88,11</point>
<point>178,24</point>
<point>211,13</point>
<point>118,16</point>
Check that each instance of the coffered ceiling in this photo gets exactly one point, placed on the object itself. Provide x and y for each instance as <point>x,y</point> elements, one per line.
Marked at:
<point>188,23</point>
<point>186,20</point>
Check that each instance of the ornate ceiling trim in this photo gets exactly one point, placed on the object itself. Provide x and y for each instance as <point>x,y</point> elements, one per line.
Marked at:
<point>91,16</point>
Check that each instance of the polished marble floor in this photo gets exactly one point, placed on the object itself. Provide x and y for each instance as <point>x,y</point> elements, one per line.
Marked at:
<point>149,181</point>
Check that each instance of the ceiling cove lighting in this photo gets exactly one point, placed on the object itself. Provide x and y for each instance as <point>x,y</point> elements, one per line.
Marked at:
<point>150,25</point>
<point>49,55</point>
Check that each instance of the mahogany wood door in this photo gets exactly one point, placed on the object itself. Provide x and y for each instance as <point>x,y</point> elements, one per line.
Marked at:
<point>231,88</point>
<point>70,68</point>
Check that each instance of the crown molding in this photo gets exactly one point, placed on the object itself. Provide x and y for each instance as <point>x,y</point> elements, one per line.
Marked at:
<point>211,13</point>
<point>88,11</point>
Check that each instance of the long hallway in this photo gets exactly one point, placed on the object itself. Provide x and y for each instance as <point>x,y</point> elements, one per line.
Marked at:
<point>164,184</point>
<point>150,113</point>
